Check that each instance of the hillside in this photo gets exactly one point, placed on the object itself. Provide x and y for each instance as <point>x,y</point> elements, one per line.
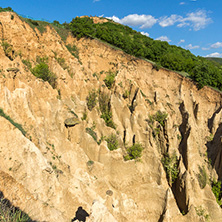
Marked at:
<point>84,124</point>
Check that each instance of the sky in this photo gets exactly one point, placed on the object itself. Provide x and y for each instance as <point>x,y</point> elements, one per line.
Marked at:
<point>191,24</point>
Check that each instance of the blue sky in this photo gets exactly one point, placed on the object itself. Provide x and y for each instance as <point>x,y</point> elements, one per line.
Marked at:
<point>192,24</point>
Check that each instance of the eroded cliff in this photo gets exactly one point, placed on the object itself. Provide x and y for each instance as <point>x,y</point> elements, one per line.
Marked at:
<point>54,167</point>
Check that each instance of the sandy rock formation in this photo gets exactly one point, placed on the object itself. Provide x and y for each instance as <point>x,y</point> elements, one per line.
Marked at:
<point>52,170</point>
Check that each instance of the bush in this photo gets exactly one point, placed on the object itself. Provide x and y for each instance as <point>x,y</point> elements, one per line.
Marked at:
<point>134,152</point>
<point>42,71</point>
<point>7,49</point>
<point>9,213</point>
<point>170,164</point>
<point>216,188</point>
<point>112,142</point>
<point>160,117</point>
<point>91,100</point>
<point>109,80</point>
<point>105,108</point>
<point>27,63</point>
<point>202,177</point>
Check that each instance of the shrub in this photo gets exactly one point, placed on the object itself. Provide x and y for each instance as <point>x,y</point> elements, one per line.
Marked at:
<point>202,177</point>
<point>42,71</point>
<point>110,79</point>
<point>112,142</point>
<point>9,213</point>
<point>27,63</point>
<point>7,49</point>
<point>91,100</point>
<point>201,212</point>
<point>134,152</point>
<point>105,108</point>
<point>160,117</point>
<point>74,51</point>
<point>126,94</point>
<point>17,125</point>
<point>170,164</point>
<point>216,188</point>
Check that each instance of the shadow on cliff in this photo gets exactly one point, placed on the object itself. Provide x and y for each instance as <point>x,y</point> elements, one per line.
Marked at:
<point>214,151</point>
<point>10,213</point>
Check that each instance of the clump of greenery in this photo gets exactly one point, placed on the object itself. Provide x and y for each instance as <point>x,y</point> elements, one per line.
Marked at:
<point>112,142</point>
<point>160,117</point>
<point>62,63</point>
<point>170,164</point>
<point>7,49</point>
<point>216,188</point>
<point>201,212</point>
<point>105,108</point>
<point>27,63</point>
<point>8,9</point>
<point>110,79</point>
<point>9,213</point>
<point>134,152</point>
<point>92,99</point>
<point>126,94</point>
<point>84,116</point>
<point>202,177</point>
<point>201,70</point>
<point>92,133</point>
<point>74,51</point>
<point>17,125</point>
<point>42,71</point>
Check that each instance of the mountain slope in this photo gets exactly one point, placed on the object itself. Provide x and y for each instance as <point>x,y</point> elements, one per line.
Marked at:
<point>63,160</point>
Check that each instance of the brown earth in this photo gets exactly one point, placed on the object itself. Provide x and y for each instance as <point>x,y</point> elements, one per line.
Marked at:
<point>55,169</point>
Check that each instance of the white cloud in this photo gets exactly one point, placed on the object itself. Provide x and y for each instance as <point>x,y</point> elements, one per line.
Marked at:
<point>182,3</point>
<point>190,46</point>
<point>197,20</point>
<point>144,21</point>
<point>205,48</point>
<point>215,54</point>
<point>95,1</point>
<point>216,45</point>
<point>181,41</point>
<point>168,21</point>
<point>145,33</point>
<point>163,38</point>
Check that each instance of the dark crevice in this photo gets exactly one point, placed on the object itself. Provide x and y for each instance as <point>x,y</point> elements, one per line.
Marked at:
<point>124,137</point>
<point>185,133</point>
<point>211,120</point>
<point>133,103</point>
<point>214,150</point>
<point>134,139</point>
<point>195,109</point>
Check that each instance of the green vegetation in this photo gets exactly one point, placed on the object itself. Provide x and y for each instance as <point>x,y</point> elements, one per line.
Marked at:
<point>160,117</point>
<point>91,99</point>
<point>74,51</point>
<point>7,49</point>
<point>105,108</point>
<point>201,212</point>
<point>202,177</point>
<point>110,79</point>
<point>17,125</point>
<point>216,188</point>
<point>201,70</point>
<point>134,152</point>
<point>112,142</point>
<point>126,94</point>
<point>9,213</point>
<point>93,134</point>
<point>62,62</point>
<point>170,164</point>
<point>8,9</point>
<point>42,71</point>
<point>27,63</point>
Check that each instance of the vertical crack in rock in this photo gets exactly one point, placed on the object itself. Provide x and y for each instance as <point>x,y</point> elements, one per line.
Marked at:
<point>214,150</point>
<point>133,103</point>
<point>211,120</point>
<point>185,132</point>
<point>195,109</point>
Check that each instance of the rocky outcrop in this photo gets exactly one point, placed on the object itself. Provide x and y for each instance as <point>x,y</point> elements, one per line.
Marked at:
<point>54,169</point>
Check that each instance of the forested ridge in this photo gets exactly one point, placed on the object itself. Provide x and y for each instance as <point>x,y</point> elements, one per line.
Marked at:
<point>201,70</point>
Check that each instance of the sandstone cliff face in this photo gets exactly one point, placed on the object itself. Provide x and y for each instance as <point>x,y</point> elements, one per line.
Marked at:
<point>54,168</point>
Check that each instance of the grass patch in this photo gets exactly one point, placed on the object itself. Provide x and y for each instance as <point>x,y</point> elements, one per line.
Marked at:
<point>202,177</point>
<point>112,142</point>
<point>105,108</point>
<point>9,213</point>
<point>91,99</point>
<point>74,51</point>
<point>216,188</point>
<point>42,71</point>
<point>170,164</point>
<point>110,79</point>
<point>17,125</point>
<point>134,152</point>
